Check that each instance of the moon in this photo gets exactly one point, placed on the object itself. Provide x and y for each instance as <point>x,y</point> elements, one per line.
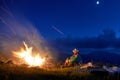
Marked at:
<point>98,2</point>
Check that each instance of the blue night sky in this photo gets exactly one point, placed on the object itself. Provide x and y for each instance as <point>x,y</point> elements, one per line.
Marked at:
<point>77,18</point>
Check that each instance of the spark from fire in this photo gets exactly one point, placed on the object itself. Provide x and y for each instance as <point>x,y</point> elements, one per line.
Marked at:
<point>27,56</point>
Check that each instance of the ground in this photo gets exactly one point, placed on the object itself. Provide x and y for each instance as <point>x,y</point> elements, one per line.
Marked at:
<point>22,72</point>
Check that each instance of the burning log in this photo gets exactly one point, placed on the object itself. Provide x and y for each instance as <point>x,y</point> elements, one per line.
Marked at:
<point>9,62</point>
<point>1,62</point>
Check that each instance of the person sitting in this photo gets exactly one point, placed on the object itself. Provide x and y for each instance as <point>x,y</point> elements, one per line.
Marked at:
<point>74,59</point>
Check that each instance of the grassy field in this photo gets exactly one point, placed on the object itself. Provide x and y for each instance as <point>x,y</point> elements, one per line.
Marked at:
<point>14,72</point>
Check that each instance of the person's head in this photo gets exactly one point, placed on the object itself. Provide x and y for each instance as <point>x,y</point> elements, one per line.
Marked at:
<point>75,51</point>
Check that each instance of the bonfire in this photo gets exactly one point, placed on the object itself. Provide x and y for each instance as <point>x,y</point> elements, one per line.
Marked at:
<point>27,56</point>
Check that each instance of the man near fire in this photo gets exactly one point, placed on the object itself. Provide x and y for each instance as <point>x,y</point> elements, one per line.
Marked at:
<point>74,59</point>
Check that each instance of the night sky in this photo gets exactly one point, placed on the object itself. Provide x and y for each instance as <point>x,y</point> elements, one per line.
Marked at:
<point>76,18</point>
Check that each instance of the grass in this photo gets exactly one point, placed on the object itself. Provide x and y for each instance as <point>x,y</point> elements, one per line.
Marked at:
<point>14,72</point>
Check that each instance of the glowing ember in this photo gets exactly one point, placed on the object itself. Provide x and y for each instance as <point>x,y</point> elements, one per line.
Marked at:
<point>27,56</point>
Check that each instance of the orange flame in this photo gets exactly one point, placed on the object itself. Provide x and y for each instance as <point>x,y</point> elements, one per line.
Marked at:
<point>27,56</point>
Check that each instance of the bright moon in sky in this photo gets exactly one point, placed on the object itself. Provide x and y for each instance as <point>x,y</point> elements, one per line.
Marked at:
<point>97,2</point>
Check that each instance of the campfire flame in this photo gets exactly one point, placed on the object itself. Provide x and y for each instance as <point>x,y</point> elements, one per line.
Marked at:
<point>27,56</point>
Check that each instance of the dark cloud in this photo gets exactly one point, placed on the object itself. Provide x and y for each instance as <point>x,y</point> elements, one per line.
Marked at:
<point>105,40</point>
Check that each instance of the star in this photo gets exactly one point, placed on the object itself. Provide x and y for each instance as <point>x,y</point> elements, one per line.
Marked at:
<point>98,2</point>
